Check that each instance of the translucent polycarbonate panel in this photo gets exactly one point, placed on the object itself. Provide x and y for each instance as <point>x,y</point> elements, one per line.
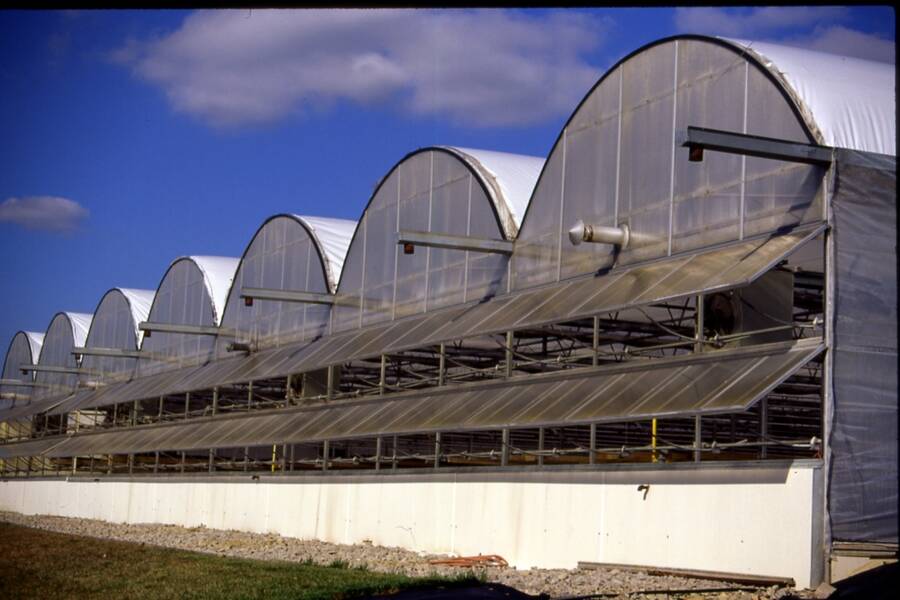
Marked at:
<point>618,162</point>
<point>777,193</point>
<point>432,191</point>
<point>414,214</point>
<point>282,256</point>
<point>18,354</point>
<point>112,327</point>
<point>536,258</point>
<point>707,200</point>
<point>648,86</point>
<point>57,352</point>
<point>732,380</point>
<point>591,164</point>
<point>182,299</point>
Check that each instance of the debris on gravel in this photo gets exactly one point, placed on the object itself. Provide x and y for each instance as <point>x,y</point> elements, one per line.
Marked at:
<point>556,583</point>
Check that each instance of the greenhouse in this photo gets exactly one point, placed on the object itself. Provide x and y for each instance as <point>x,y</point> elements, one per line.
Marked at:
<point>695,292</point>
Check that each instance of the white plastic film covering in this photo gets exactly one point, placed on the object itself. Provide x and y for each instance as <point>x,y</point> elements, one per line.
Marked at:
<point>430,190</point>
<point>218,274</point>
<point>192,292</point>
<point>510,176</point>
<point>333,238</point>
<point>66,331</point>
<point>115,325</point>
<point>284,256</point>
<point>24,349</point>
<point>140,302</point>
<point>617,162</point>
<point>35,340</point>
<point>849,101</point>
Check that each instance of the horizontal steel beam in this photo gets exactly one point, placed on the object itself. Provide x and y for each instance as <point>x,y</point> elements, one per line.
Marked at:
<point>148,327</point>
<point>50,369</point>
<point>113,352</point>
<point>17,382</point>
<point>287,296</point>
<point>698,139</point>
<point>454,242</point>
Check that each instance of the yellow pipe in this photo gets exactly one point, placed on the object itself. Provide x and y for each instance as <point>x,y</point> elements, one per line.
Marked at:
<point>274,446</point>
<point>653,439</point>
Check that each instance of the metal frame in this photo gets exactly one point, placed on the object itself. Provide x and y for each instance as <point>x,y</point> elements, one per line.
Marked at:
<point>698,139</point>
<point>454,242</point>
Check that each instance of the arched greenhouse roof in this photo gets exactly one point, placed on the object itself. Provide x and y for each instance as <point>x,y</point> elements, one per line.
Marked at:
<point>510,179</point>
<point>139,303</point>
<point>440,190</point>
<point>332,239</point>
<point>846,102</point>
<point>218,273</point>
<point>35,341</point>
<point>24,349</point>
<point>617,162</point>
<point>67,330</point>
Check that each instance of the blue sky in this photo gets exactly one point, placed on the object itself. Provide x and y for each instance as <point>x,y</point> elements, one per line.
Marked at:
<point>133,137</point>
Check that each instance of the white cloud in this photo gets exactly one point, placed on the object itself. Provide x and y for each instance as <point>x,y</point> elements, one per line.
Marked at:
<point>780,25</point>
<point>483,68</point>
<point>765,21</point>
<point>49,213</point>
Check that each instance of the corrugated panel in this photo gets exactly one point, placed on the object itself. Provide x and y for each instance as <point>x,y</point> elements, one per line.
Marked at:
<point>725,267</point>
<point>714,382</point>
<point>31,448</point>
<point>32,408</point>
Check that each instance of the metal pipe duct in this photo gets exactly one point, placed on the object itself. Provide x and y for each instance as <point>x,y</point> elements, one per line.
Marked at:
<point>599,234</point>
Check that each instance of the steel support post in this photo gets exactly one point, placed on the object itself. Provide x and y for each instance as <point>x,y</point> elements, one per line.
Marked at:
<point>504,452</point>
<point>509,353</point>
<point>329,394</point>
<point>284,458</point>
<point>246,458</point>
<point>215,401</point>
<point>592,459</point>
<point>540,458</point>
<point>288,391</point>
<point>182,462</point>
<point>326,450</point>
<point>187,404</point>
<point>698,437</point>
<point>131,464</point>
<point>291,468</point>
<point>595,344</point>
<point>394,456</point>
<point>442,364</point>
<point>437,449</point>
<point>698,324</point>
<point>378,453</point>
<point>382,375</point>
<point>764,427</point>
<point>212,460</point>
<point>115,419</point>
<point>156,462</point>
<point>159,415</point>
<point>249,396</point>
<point>134,412</point>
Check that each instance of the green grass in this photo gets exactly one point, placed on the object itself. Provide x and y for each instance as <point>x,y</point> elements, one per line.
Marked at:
<point>43,564</point>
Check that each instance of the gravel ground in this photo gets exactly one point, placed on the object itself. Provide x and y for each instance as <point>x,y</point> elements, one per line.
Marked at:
<point>557,583</point>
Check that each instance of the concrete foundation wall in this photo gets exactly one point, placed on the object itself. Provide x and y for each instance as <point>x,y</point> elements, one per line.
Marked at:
<point>763,520</point>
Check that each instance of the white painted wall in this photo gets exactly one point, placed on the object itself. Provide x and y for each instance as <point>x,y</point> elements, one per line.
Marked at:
<point>533,520</point>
